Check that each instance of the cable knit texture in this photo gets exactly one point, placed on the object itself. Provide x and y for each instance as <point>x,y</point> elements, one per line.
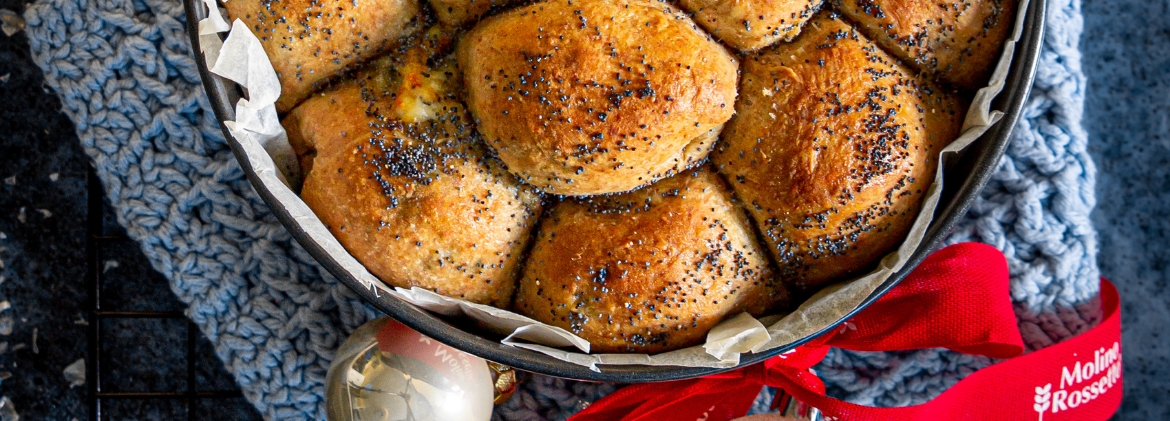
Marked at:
<point>126,77</point>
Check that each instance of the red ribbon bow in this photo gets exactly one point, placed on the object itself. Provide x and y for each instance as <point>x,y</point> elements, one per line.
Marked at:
<point>958,298</point>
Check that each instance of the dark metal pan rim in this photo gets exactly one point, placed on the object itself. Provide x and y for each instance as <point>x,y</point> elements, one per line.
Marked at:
<point>969,174</point>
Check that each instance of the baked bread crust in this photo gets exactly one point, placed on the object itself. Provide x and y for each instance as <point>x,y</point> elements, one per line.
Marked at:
<point>463,12</point>
<point>832,149</point>
<point>958,41</point>
<point>752,24</point>
<point>613,107</point>
<point>419,204</point>
<point>650,270</point>
<point>595,97</point>
<point>309,41</point>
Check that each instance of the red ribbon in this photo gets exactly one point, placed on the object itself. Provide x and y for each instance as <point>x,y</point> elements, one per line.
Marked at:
<point>958,298</point>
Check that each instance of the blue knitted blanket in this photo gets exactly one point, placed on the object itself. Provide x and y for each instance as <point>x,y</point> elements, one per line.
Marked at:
<point>126,77</point>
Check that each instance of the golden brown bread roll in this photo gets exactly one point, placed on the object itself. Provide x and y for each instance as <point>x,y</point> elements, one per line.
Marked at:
<point>396,177</point>
<point>592,97</point>
<point>309,41</point>
<point>462,12</point>
<point>831,150</point>
<point>752,24</point>
<point>956,40</point>
<point>650,270</point>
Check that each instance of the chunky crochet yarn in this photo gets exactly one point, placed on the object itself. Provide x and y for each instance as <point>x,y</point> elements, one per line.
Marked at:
<point>126,77</point>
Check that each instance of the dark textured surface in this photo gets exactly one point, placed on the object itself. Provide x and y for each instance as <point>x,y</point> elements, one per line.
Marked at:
<point>1125,58</point>
<point>1127,114</point>
<point>43,276</point>
<point>43,257</point>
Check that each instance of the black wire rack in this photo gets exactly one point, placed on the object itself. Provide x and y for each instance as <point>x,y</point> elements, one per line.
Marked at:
<point>98,392</point>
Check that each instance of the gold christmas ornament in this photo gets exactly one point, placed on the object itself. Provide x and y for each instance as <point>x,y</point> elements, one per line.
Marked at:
<point>504,380</point>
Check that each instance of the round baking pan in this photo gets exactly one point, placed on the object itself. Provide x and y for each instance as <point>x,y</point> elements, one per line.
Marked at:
<point>966,175</point>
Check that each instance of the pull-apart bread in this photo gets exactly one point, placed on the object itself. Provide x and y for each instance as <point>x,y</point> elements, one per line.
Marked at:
<point>593,97</point>
<point>832,147</point>
<point>396,174</point>
<point>749,25</point>
<point>650,270</point>
<point>463,12</point>
<point>957,41</point>
<point>310,41</point>
<point>633,171</point>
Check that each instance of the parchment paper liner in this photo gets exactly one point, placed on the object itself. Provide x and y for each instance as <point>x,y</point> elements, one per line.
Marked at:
<point>241,59</point>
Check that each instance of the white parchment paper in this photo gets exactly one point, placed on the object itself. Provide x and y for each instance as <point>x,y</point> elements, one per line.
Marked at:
<point>241,59</point>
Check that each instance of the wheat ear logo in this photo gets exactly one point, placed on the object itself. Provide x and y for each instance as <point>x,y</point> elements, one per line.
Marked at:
<point>1043,400</point>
